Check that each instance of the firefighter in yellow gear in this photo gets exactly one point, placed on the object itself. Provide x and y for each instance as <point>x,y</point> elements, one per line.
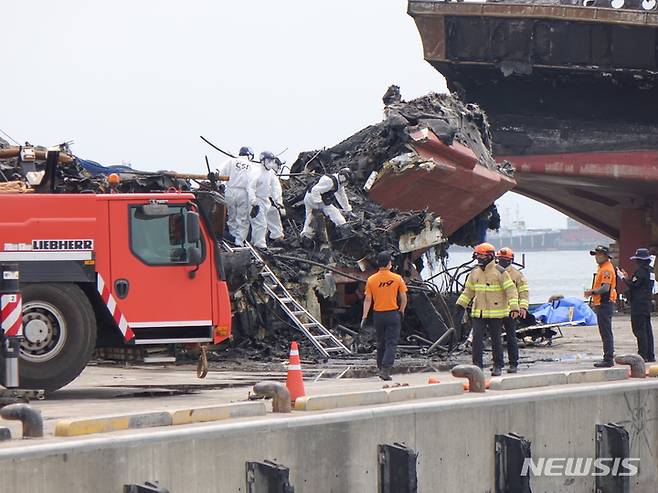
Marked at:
<point>505,257</point>
<point>493,295</point>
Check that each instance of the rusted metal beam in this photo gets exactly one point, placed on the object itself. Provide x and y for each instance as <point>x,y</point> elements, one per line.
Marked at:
<point>419,9</point>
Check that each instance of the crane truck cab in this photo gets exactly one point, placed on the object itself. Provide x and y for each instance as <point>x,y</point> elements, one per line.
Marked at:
<point>113,270</point>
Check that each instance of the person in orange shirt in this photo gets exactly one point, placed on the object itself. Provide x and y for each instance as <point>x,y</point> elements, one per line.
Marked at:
<point>604,296</point>
<point>386,292</point>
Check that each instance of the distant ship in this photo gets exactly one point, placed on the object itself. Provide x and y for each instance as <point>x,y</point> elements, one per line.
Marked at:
<point>520,238</point>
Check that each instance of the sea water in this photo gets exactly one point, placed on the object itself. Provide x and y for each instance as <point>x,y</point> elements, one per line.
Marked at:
<point>549,273</point>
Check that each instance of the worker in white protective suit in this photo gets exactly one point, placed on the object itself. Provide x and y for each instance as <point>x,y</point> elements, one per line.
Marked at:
<point>240,193</point>
<point>277,210</point>
<point>262,180</point>
<point>321,197</point>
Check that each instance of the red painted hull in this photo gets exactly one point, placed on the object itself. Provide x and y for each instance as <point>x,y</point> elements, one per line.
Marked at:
<point>622,167</point>
<point>457,188</point>
<point>613,192</point>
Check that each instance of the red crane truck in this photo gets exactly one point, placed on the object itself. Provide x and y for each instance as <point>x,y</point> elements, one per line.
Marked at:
<point>110,270</point>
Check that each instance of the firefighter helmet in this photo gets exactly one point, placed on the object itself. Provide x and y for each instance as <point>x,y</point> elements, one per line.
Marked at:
<point>485,249</point>
<point>505,252</point>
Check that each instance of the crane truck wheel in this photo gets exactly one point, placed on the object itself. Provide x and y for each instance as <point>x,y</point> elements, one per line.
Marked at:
<point>59,335</point>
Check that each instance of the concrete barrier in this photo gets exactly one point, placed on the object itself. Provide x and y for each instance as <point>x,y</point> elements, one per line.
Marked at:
<point>603,375</point>
<point>216,413</point>
<point>398,394</point>
<point>528,381</point>
<point>337,451</point>
<point>370,397</point>
<point>348,399</point>
<point>105,424</point>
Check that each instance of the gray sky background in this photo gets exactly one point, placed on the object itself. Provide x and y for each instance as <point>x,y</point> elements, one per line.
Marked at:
<point>139,81</point>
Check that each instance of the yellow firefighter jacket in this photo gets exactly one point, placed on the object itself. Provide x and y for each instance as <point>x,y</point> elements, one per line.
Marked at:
<point>492,291</point>
<point>521,284</point>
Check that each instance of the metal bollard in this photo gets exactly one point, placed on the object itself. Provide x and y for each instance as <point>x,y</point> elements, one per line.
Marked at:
<point>473,373</point>
<point>11,322</point>
<point>5,434</point>
<point>279,394</point>
<point>636,363</point>
<point>30,417</point>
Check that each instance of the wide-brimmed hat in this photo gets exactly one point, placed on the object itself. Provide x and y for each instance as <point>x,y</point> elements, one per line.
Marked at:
<point>641,254</point>
<point>600,249</point>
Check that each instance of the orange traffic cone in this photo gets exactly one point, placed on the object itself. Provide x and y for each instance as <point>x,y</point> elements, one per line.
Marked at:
<point>295,380</point>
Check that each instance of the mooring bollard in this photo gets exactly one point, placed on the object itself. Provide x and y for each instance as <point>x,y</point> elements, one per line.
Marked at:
<point>11,322</point>
<point>636,363</point>
<point>279,394</point>
<point>30,417</point>
<point>5,434</point>
<point>473,373</point>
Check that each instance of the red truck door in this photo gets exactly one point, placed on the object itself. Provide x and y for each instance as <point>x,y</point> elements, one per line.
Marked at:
<point>150,273</point>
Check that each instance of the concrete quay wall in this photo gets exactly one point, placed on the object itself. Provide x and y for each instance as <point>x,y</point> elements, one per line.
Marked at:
<point>337,451</point>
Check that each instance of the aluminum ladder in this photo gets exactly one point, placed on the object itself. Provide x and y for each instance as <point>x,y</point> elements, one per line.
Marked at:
<point>325,342</point>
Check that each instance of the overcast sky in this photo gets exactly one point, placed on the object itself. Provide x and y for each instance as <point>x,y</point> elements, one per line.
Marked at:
<point>139,81</point>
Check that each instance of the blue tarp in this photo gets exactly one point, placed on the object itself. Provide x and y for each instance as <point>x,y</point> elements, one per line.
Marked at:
<point>98,169</point>
<point>558,312</point>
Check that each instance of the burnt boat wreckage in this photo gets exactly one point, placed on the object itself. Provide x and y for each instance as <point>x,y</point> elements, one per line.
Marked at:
<point>425,178</point>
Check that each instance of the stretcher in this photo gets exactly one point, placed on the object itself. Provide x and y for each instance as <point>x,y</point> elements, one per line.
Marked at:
<point>543,334</point>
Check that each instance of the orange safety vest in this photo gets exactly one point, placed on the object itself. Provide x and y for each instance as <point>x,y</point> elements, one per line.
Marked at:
<point>606,274</point>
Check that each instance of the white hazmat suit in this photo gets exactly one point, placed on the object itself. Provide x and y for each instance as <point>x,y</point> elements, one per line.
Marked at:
<point>276,209</point>
<point>262,180</point>
<point>320,196</point>
<point>240,196</point>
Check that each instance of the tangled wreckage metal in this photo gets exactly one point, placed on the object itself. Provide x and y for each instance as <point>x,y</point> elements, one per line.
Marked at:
<point>425,178</point>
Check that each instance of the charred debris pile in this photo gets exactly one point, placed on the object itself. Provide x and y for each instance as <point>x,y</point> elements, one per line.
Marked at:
<point>327,275</point>
<point>28,165</point>
<point>382,145</point>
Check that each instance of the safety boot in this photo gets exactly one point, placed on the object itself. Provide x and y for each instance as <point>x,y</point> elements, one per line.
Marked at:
<point>307,243</point>
<point>384,374</point>
<point>278,243</point>
<point>496,372</point>
<point>604,363</point>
